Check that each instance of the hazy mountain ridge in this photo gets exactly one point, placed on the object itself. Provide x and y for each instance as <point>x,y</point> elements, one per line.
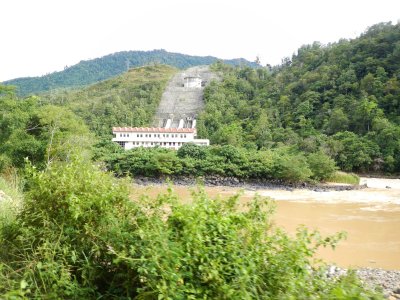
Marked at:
<point>91,71</point>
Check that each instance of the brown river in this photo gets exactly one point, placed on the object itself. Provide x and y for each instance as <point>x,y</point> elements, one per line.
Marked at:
<point>371,218</point>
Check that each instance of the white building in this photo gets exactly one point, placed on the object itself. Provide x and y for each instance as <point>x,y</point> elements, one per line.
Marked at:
<point>174,138</point>
<point>192,82</point>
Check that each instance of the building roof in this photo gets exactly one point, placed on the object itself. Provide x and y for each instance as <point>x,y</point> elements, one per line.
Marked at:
<point>192,76</point>
<point>154,129</point>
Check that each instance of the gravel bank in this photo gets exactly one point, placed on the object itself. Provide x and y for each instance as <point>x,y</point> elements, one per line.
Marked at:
<point>388,281</point>
<point>256,184</point>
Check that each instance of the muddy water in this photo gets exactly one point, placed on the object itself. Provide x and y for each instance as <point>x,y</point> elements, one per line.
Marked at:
<point>371,218</point>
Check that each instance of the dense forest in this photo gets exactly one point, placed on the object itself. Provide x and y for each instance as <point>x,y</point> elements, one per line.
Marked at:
<point>95,70</point>
<point>342,99</point>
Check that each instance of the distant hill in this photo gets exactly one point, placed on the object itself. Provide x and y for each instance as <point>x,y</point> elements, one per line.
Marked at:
<point>95,70</point>
<point>129,99</point>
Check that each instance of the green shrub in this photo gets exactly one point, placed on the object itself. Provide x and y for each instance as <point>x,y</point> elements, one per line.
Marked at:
<point>193,151</point>
<point>291,167</point>
<point>342,177</point>
<point>80,237</point>
<point>321,165</point>
<point>58,243</point>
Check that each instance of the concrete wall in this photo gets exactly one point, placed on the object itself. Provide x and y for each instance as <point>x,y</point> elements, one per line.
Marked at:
<point>178,102</point>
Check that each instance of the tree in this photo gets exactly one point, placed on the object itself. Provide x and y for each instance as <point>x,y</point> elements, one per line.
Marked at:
<point>356,153</point>
<point>338,121</point>
<point>321,165</point>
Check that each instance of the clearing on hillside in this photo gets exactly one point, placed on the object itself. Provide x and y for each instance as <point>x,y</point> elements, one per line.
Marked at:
<point>183,100</point>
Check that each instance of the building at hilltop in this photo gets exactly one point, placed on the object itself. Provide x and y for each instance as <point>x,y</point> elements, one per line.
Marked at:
<point>172,138</point>
<point>192,82</point>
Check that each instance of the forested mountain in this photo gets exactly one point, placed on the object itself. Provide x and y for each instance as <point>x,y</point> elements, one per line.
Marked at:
<point>342,99</point>
<point>130,99</point>
<point>91,71</point>
<point>339,101</point>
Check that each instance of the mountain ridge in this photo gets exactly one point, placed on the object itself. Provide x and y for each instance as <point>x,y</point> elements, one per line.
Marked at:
<point>87,72</point>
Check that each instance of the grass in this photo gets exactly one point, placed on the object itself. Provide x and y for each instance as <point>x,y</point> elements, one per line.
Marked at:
<point>10,197</point>
<point>342,177</point>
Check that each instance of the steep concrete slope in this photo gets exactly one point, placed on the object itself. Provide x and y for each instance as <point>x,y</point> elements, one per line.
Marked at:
<point>179,102</point>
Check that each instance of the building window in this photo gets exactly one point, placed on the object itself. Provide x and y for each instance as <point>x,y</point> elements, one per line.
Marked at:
<point>150,135</point>
<point>184,136</point>
<point>122,144</point>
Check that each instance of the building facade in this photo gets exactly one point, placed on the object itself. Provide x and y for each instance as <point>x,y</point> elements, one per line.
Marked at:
<point>192,82</point>
<point>173,138</point>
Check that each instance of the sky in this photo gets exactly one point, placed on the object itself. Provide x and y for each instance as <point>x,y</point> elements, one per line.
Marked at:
<point>43,36</point>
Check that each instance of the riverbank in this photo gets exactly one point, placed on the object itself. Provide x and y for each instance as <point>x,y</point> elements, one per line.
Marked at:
<point>251,184</point>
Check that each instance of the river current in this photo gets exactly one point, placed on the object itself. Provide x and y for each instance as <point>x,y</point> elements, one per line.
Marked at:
<point>370,216</point>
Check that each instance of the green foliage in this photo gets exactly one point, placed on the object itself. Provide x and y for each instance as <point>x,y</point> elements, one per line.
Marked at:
<point>286,164</point>
<point>95,70</point>
<point>130,99</point>
<point>341,177</point>
<point>321,165</point>
<point>10,197</point>
<point>322,92</point>
<point>291,167</point>
<point>79,236</point>
<point>356,153</point>
<point>40,133</point>
<point>57,247</point>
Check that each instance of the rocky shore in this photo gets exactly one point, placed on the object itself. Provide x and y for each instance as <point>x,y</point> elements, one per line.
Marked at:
<point>388,281</point>
<point>253,184</point>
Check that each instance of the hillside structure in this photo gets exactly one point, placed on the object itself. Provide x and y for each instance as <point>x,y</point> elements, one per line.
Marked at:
<point>182,99</point>
<point>175,120</point>
<point>172,138</point>
<point>192,82</point>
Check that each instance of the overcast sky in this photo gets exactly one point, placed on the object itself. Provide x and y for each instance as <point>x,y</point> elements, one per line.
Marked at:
<point>43,36</point>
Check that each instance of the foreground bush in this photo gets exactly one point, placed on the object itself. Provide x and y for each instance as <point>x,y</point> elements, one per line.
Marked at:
<point>79,236</point>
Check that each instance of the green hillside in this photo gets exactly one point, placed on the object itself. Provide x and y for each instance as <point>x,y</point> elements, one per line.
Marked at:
<point>342,99</point>
<point>129,99</point>
<point>95,70</point>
